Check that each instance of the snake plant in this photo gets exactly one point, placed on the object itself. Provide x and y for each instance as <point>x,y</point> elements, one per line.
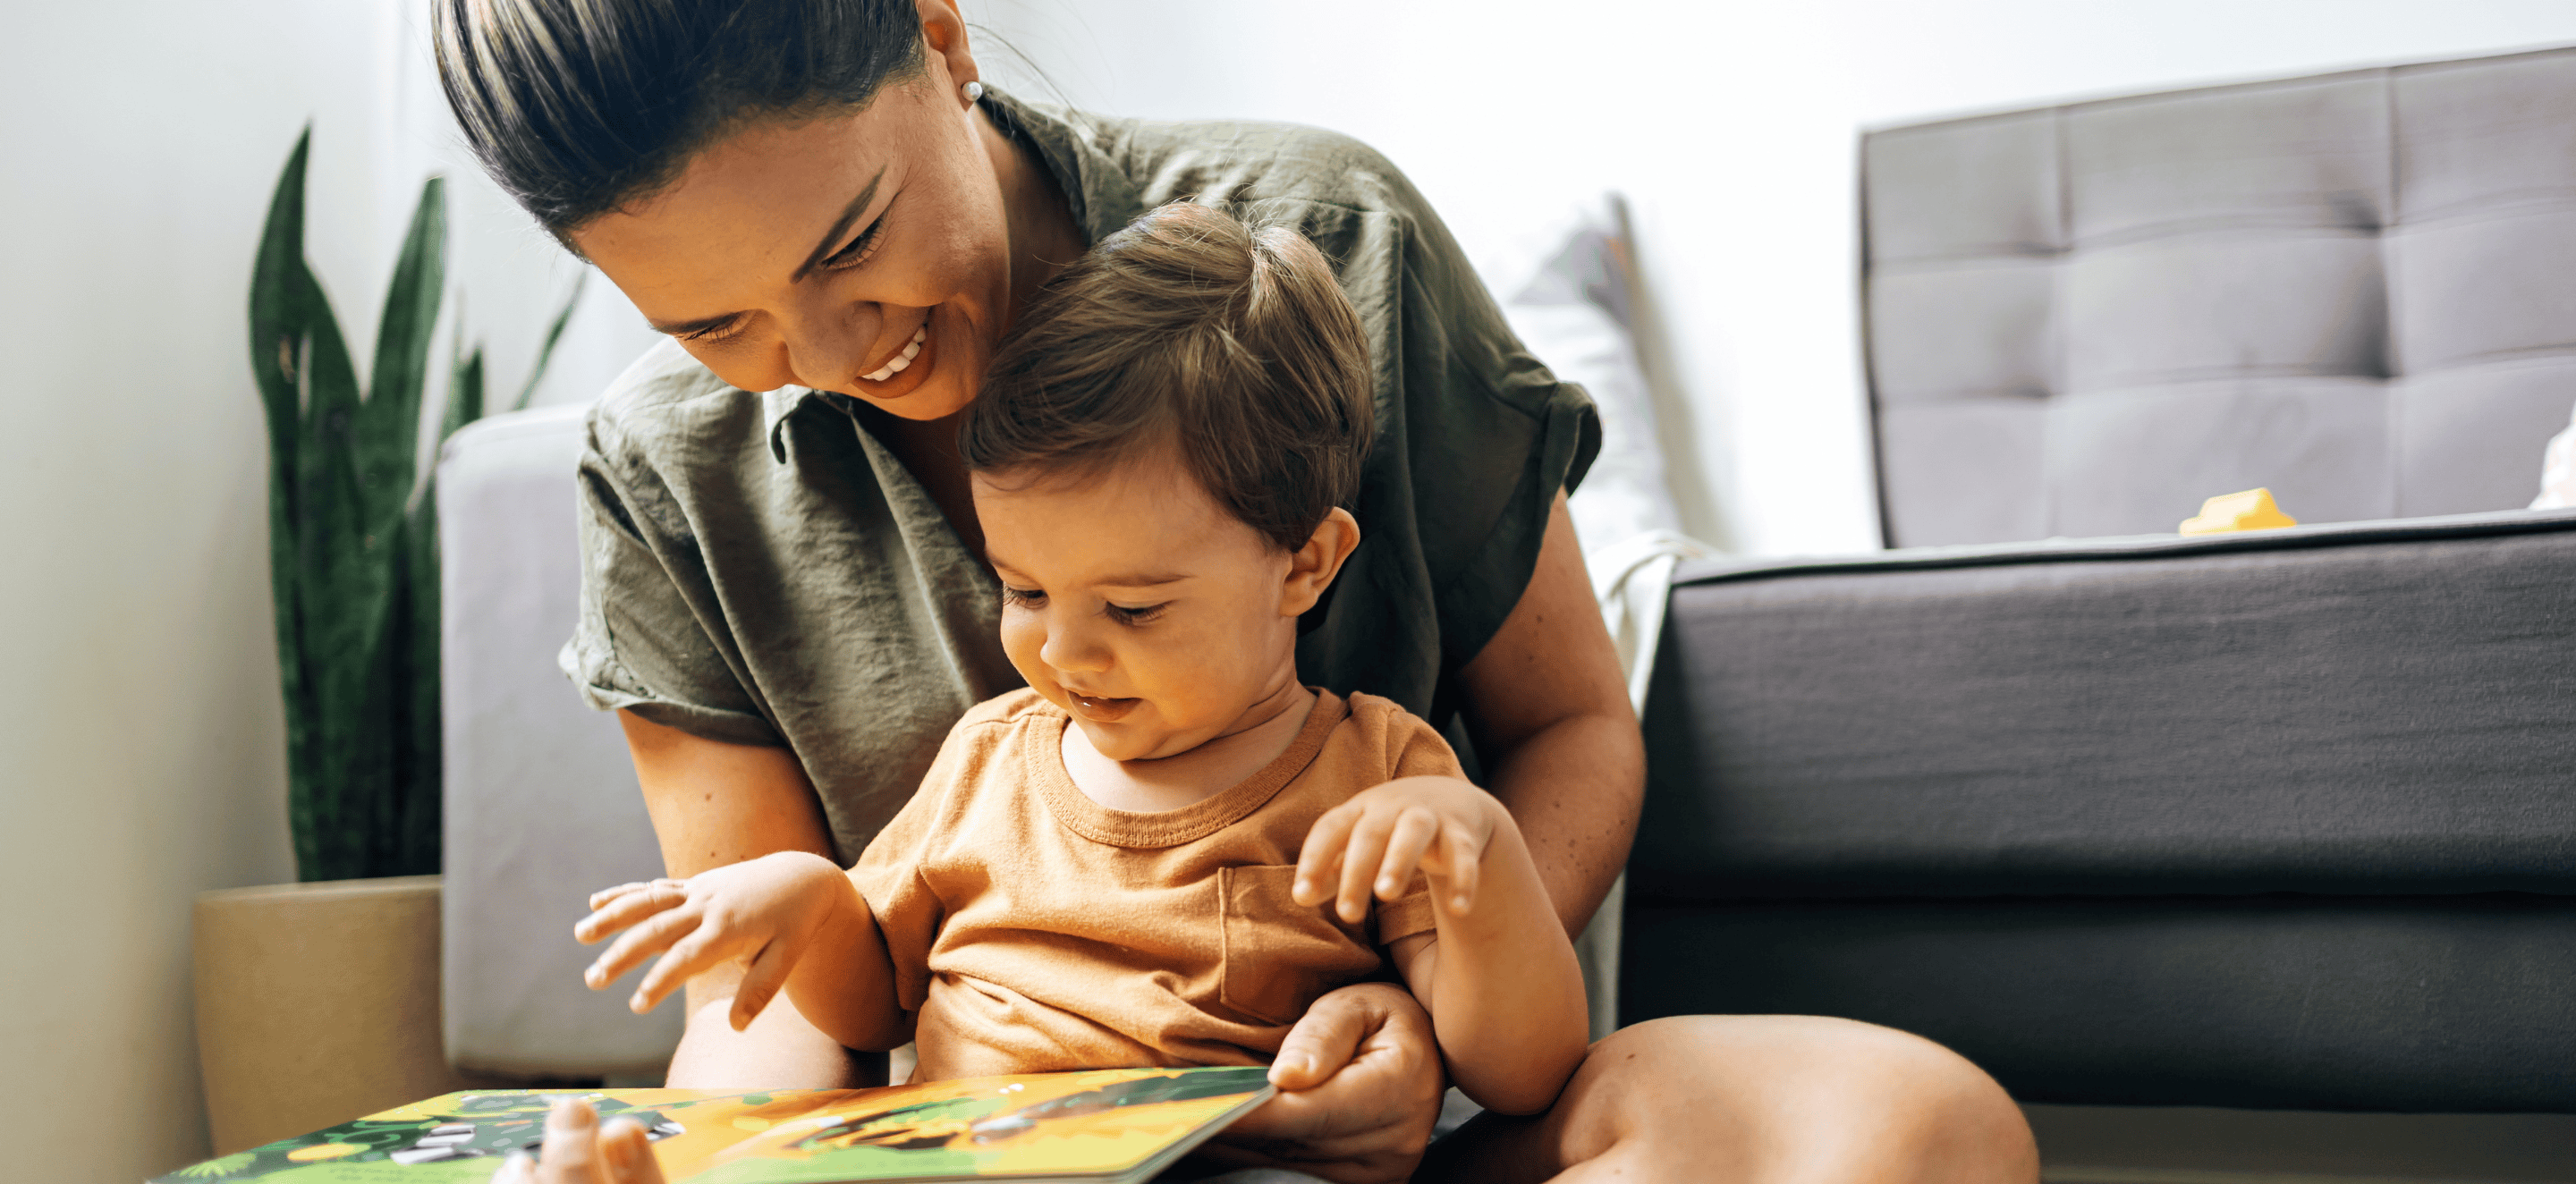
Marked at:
<point>353,543</point>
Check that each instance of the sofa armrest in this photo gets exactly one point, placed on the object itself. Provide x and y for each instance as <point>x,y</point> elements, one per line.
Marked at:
<point>541,802</point>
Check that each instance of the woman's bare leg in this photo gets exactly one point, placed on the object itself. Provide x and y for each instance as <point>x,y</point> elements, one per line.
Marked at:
<point>1759,1100</point>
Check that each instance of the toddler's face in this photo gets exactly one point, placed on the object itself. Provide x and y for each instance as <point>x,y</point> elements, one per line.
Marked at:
<point>1137,604</point>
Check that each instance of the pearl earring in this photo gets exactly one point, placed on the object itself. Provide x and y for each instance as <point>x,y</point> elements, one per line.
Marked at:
<point>974,91</point>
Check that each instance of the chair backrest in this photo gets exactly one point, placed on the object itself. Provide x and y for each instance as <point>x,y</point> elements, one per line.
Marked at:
<point>2358,289</point>
<point>540,800</point>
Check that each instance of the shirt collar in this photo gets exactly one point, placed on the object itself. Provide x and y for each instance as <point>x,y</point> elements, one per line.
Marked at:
<point>777,406</point>
<point>1104,197</point>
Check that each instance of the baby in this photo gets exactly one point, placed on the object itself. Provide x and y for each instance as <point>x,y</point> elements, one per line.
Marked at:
<point>1166,847</point>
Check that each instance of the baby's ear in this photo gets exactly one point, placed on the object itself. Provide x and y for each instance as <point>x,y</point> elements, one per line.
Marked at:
<point>1311,568</point>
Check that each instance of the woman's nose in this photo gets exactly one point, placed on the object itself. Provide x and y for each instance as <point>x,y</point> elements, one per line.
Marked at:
<point>828,345</point>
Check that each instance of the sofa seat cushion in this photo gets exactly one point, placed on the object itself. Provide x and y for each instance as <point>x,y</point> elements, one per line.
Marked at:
<point>2452,1003</point>
<point>2365,708</point>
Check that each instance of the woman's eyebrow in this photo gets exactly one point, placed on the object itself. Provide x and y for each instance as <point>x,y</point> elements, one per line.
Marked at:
<point>849,213</point>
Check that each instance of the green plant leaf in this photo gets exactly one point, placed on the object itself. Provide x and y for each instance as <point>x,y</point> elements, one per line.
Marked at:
<point>310,392</point>
<point>546,350</point>
<point>389,434</point>
<point>279,345</point>
<point>464,383</point>
<point>353,472</point>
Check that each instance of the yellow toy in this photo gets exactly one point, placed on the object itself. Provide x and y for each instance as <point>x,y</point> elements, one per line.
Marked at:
<point>2250,510</point>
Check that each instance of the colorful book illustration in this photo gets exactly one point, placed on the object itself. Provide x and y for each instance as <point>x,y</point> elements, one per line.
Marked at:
<point>1107,1126</point>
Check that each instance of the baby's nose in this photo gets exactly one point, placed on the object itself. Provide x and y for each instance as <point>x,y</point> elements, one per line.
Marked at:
<point>1073,651</point>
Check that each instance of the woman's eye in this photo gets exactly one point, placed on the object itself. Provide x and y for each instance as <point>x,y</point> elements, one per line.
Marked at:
<point>860,248</point>
<point>719,334</point>
<point>1023,597</point>
<point>1134,616</point>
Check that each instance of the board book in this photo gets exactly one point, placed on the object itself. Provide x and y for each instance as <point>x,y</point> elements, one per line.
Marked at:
<point>1107,1126</point>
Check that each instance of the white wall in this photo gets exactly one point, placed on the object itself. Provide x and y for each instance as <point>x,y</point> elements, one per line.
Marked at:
<point>1731,126</point>
<point>140,735</point>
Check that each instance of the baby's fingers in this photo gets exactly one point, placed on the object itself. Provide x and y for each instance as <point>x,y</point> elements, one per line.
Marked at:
<point>1414,831</point>
<point>762,980</point>
<point>1359,866</point>
<point>1320,860</point>
<point>616,908</point>
<point>604,895</point>
<point>1459,860</point>
<point>700,951</point>
<point>643,941</point>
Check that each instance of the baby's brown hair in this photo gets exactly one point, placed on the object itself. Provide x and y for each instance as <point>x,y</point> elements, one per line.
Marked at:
<point>1233,344</point>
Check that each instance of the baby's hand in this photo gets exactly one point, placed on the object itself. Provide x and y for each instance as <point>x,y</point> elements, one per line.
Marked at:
<point>765,910</point>
<point>1440,825</point>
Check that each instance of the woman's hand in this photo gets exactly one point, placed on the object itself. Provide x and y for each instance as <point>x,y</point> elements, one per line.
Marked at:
<point>578,1151</point>
<point>766,911</point>
<point>1439,826</point>
<point>1360,1089</point>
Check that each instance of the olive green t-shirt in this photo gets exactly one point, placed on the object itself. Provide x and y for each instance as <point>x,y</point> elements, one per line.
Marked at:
<point>762,569</point>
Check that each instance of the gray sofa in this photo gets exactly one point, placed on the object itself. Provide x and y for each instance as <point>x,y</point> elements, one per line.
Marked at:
<point>2281,819</point>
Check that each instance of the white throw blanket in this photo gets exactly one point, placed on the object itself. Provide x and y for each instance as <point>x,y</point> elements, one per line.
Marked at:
<point>2558,472</point>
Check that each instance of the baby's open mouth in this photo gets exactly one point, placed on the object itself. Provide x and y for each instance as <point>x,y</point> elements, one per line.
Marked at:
<point>897,364</point>
<point>1103,710</point>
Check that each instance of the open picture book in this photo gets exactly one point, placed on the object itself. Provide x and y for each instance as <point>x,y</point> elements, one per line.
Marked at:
<point>1107,1126</point>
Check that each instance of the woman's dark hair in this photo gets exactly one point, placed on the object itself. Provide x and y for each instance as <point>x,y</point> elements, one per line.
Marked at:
<point>1188,329</point>
<point>580,107</point>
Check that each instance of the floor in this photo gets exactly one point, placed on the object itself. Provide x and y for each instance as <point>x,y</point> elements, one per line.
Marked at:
<point>2185,1145</point>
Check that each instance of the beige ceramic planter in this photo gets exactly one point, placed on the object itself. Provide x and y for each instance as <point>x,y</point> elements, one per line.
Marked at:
<point>317,1003</point>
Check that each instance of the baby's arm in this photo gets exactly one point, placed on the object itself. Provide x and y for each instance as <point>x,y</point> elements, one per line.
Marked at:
<point>796,920</point>
<point>1497,974</point>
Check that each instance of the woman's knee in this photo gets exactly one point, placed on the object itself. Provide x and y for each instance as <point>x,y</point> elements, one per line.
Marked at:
<point>1833,1080</point>
<point>1809,1046</point>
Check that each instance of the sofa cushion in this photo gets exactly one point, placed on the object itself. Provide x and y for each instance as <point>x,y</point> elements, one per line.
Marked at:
<point>2366,1003</point>
<point>2370,708</point>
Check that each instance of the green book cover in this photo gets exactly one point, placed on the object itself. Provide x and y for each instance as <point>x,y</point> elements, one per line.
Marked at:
<point>1107,1126</point>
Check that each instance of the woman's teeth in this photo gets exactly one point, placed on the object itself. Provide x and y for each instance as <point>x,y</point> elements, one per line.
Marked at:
<point>911,350</point>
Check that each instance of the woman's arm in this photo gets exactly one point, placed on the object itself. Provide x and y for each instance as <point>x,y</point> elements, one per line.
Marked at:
<point>1549,712</point>
<point>714,804</point>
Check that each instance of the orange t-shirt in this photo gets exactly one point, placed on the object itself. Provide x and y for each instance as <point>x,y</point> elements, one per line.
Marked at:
<point>1033,929</point>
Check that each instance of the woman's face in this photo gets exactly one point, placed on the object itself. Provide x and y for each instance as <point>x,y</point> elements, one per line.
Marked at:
<point>863,252</point>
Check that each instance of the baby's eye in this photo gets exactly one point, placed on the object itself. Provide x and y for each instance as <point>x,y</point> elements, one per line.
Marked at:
<point>1023,597</point>
<point>1134,616</point>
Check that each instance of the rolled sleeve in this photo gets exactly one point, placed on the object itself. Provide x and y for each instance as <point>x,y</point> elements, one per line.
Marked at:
<point>641,644</point>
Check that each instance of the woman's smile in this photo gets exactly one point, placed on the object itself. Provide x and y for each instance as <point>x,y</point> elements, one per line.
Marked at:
<point>900,362</point>
<point>900,374</point>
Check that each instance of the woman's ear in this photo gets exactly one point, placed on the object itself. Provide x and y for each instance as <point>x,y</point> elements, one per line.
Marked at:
<point>1311,568</point>
<point>943,34</point>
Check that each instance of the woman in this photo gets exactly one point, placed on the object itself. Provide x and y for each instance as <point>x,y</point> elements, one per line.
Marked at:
<point>784,597</point>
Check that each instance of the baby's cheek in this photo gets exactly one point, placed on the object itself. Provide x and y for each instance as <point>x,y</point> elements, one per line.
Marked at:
<point>1022,640</point>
